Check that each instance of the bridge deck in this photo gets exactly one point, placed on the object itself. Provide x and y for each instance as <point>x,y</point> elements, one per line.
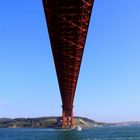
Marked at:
<point>68,22</point>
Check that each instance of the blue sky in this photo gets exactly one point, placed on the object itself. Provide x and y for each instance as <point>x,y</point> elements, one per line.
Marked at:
<point>108,86</point>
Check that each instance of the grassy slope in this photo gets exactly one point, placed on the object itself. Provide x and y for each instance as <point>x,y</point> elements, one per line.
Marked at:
<point>45,122</point>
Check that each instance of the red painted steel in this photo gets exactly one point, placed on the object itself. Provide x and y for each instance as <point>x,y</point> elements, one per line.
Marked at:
<point>67,22</point>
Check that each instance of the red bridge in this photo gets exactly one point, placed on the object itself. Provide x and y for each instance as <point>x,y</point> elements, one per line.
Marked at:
<point>67,22</point>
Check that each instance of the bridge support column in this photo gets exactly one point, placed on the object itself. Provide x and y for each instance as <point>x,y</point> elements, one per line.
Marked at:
<point>67,118</point>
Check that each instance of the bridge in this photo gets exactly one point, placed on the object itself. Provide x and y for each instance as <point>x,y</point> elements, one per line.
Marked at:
<point>67,22</point>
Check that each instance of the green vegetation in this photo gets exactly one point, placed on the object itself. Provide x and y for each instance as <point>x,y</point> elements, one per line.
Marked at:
<point>45,122</point>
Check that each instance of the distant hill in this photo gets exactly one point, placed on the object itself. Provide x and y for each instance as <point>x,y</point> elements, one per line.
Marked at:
<point>46,122</point>
<point>130,123</point>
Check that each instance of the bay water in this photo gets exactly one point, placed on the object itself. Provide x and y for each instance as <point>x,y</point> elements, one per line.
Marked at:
<point>102,133</point>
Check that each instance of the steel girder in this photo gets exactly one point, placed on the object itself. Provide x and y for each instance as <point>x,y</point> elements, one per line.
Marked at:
<point>67,22</point>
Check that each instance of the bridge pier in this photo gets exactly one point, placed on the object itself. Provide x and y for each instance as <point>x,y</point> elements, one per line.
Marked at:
<point>67,117</point>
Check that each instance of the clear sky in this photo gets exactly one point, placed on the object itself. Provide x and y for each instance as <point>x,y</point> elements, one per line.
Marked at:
<point>109,83</point>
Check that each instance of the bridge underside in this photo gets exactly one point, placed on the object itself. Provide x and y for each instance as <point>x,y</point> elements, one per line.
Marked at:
<point>68,22</point>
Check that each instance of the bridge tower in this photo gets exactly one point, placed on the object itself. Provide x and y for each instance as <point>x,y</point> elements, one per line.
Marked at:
<point>67,22</point>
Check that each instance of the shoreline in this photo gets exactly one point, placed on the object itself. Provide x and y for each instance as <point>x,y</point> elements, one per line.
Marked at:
<point>47,122</point>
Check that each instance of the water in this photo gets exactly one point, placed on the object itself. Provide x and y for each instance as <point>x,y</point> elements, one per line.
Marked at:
<point>106,133</point>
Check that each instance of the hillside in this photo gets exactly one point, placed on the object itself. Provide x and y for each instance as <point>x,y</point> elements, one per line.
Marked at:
<point>46,122</point>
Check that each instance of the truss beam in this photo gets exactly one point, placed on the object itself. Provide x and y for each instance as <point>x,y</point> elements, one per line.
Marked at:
<point>67,22</point>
